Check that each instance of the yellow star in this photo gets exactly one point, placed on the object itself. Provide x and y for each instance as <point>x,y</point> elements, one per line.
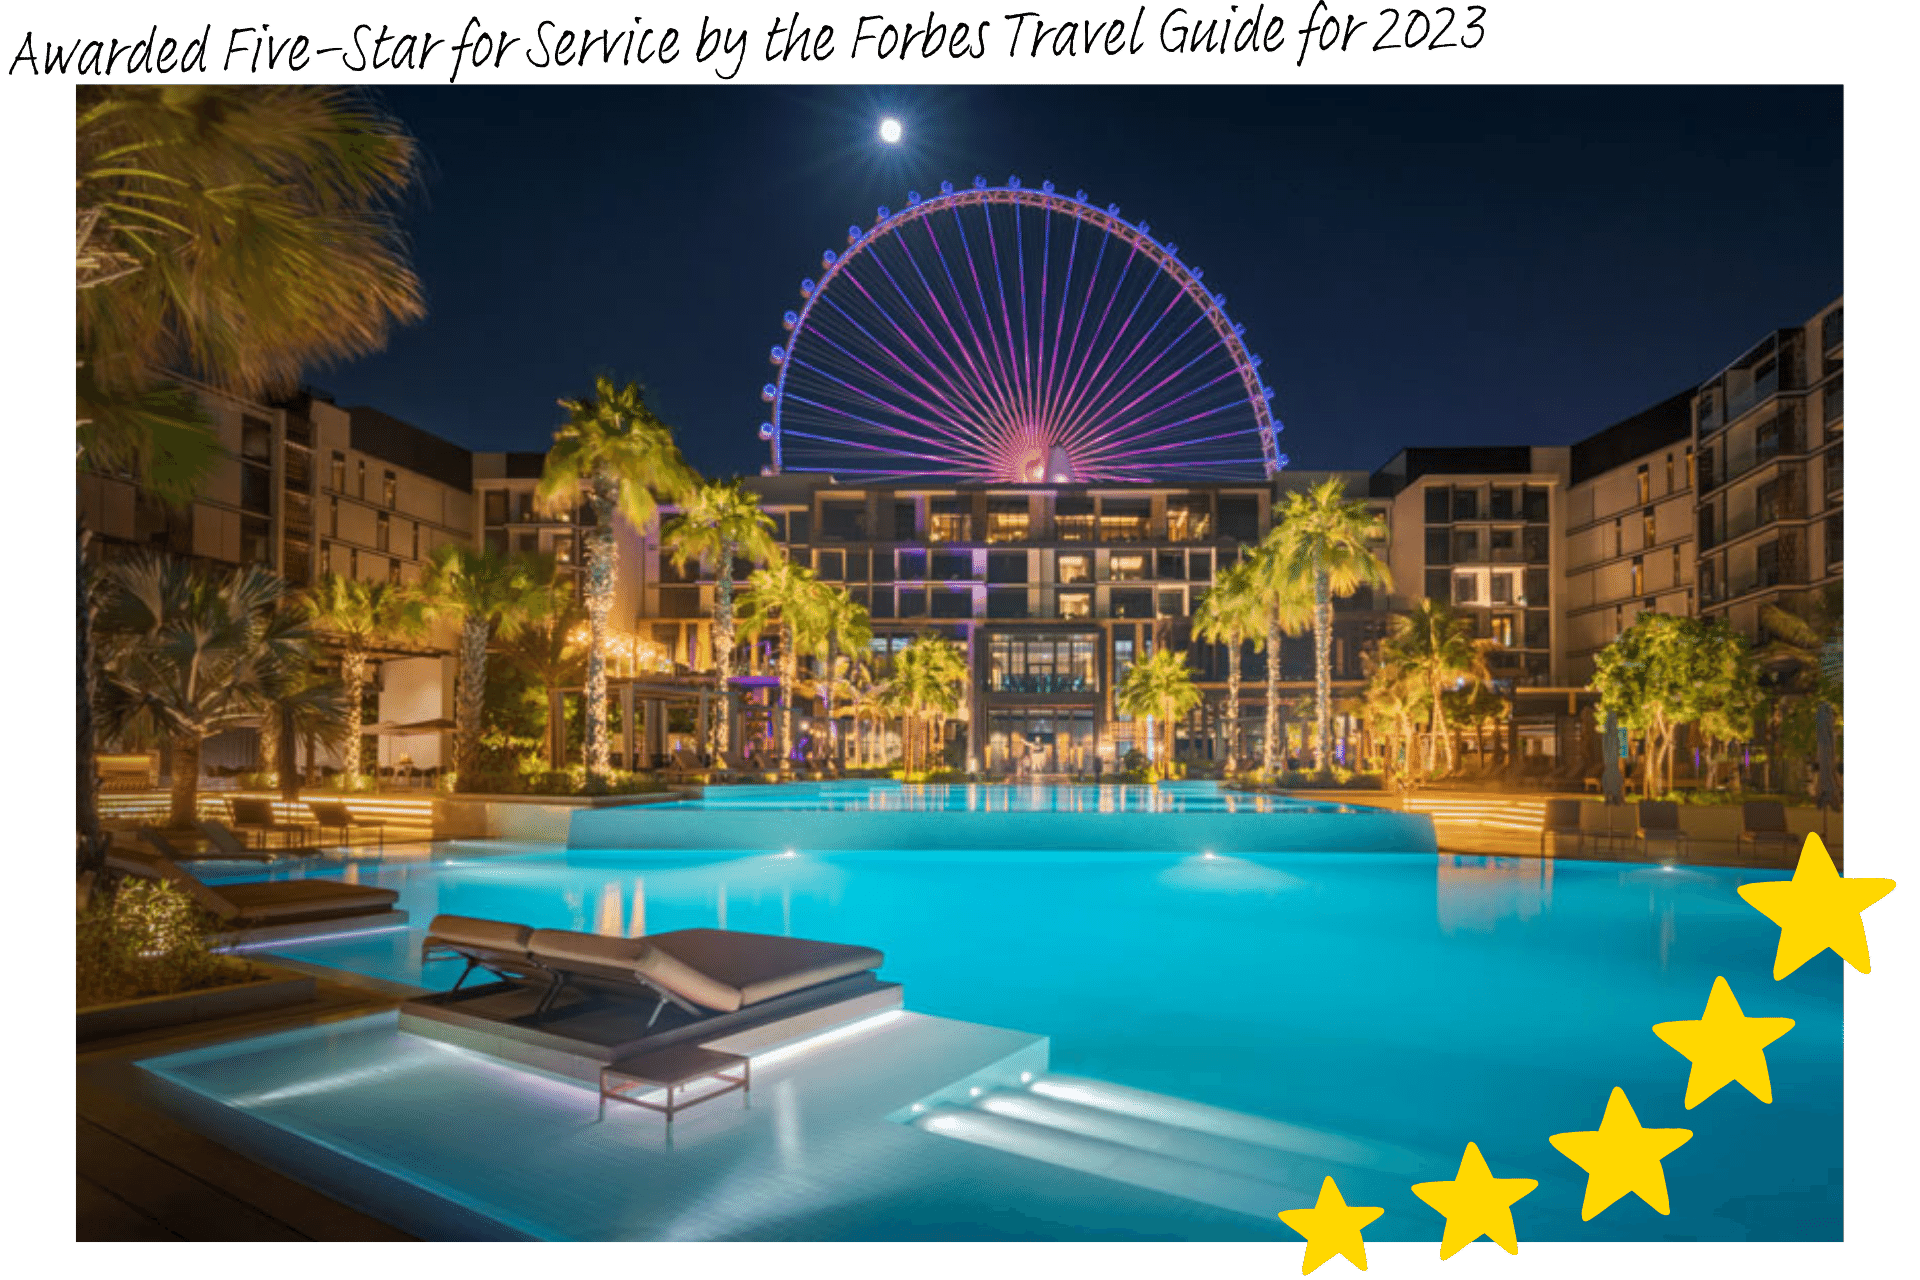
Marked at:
<point>1476,1204</point>
<point>1621,1157</point>
<point>1816,910</point>
<point>1725,1047</point>
<point>1331,1227</point>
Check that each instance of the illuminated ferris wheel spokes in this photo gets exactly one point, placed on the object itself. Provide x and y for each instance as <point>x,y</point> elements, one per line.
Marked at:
<point>1006,334</point>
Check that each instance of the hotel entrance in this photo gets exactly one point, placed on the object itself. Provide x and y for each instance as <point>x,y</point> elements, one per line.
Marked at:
<point>1039,740</point>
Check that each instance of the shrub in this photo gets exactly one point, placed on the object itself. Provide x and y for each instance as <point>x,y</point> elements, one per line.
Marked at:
<point>147,939</point>
<point>1135,761</point>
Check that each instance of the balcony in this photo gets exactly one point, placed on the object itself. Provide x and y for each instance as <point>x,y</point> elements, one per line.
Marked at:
<point>947,527</point>
<point>1042,682</point>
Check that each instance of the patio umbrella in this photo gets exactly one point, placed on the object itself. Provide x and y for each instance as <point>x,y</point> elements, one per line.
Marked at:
<point>1826,792</point>
<point>1612,787</point>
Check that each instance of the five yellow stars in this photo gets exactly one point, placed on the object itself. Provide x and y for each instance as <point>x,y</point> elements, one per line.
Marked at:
<point>1725,1047</point>
<point>1331,1227</point>
<point>1476,1204</point>
<point>1816,909</point>
<point>1621,1157</point>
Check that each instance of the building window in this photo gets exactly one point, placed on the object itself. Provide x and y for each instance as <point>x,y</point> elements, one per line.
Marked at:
<point>1834,533</point>
<point>1132,603</point>
<point>1199,566</point>
<point>337,472</point>
<point>1006,566</point>
<point>393,572</point>
<point>1835,481</point>
<point>1639,577</point>
<point>382,531</point>
<point>333,517</point>
<point>903,521</point>
<point>1170,603</point>
<point>1073,519</point>
<point>1534,548</point>
<point>1439,584</point>
<point>416,540</point>
<point>1439,547</point>
<point>1503,630</point>
<point>1466,504</point>
<point>1076,604</point>
<point>1501,586</point>
<point>495,501</point>
<point>1466,588</point>
<point>361,467</point>
<point>1535,589</point>
<point>1008,520</point>
<point>1689,466</point>
<point>1617,548</point>
<point>1439,504</point>
<point>952,566</point>
<point>353,563</point>
<point>843,521</point>
<point>1125,519</point>
<point>390,490</point>
<point>1007,602</point>
<point>1533,504</point>
<point>947,520</point>
<point>1642,483</point>
<point>1188,520</point>
<point>1646,528</point>
<point>829,566</point>
<point>1619,619</point>
<point>881,606</point>
<point>1676,566</point>
<point>1669,473</point>
<point>1505,505</point>
<point>1073,568</point>
<point>913,602</point>
<point>1169,564</point>
<point>1466,545</point>
<point>913,566</point>
<point>1128,568</point>
<point>1503,541</point>
<point>1042,663</point>
<point>953,604</point>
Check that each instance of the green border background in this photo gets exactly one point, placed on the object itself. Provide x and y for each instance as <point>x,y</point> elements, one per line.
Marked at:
<point>1865,47</point>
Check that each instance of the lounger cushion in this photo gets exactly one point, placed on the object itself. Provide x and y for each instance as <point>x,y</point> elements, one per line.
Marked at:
<point>486,935</point>
<point>258,900</point>
<point>598,953</point>
<point>760,965</point>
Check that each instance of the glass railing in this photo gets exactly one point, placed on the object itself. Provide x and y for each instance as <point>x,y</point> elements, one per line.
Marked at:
<point>1042,682</point>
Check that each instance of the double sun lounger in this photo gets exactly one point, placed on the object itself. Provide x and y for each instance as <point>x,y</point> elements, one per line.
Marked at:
<point>260,903</point>
<point>701,971</point>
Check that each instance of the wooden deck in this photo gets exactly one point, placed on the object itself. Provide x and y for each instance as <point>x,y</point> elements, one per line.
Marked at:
<point>142,1176</point>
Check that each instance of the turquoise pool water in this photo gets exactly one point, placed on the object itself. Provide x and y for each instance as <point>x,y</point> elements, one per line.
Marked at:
<point>1415,1000</point>
<point>892,797</point>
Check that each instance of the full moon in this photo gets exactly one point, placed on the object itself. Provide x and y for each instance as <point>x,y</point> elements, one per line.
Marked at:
<point>890,131</point>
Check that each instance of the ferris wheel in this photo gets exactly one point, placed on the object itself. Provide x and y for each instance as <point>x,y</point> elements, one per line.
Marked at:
<point>1011,334</point>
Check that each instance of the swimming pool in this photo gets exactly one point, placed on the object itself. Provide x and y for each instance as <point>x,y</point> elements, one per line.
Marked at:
<point>1413,1002</point>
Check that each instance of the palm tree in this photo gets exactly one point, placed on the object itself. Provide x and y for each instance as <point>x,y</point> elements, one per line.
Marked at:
<point>189,651</point>
<point>358,615</point>
<point>1160,685</point>
<point>491,596</point>
<point>233,233</point>
<point>546,647</point>
<point>617,456</point>
<point>720,522</point>
<point>1437,645</point>
<point>1392,693</point>
<point>1287,604</point>
<point>1232,614</point>
<point>929,678</point>
<point>846,626</point>
<point>1322,539</point>
<point>301,707</point>
<point>786,595</point>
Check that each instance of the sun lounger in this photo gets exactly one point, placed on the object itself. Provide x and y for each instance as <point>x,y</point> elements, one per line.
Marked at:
<point>333,815</point>
<point>1660,820</point>
<point>1764,822</point>
<point>224,842</point>
<point>701,971</point>
<point>268,902</point>
<point>254,815</point>
<point>1561,818</point>
<point>163,845</point>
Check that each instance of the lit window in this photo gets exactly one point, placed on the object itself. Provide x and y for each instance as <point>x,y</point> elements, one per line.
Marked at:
<point>1075,568</point>
<point>1076,604</point>
<point>1644,483</point>
<point>382,531</point>
<point>362,473</point>
<point>390,490</point>
<point>338,472</point>
<point>1647,537</point>
<point>1129,568</point>
<point>1466,588</point>
<point>1639,577</point>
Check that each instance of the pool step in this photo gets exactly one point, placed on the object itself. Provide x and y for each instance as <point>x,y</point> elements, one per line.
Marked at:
<point>1233,1161</point>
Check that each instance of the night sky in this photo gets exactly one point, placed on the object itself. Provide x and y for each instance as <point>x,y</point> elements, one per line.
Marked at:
<point>1417,266</point>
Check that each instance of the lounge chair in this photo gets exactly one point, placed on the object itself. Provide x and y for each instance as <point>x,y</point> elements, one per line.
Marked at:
<point>1765,822</point>
<point>224,842</point>
<point>159,842</point>
<point>333,815</point>
<point>1561,818</point>
<point>1660,820</point>
<point>263,902</point>
<point>701,971</point>
<point>254,815</point>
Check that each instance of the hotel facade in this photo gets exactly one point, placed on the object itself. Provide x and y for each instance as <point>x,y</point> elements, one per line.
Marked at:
<point>1720,500</point>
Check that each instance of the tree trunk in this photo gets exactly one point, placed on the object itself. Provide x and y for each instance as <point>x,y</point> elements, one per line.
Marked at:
<point>723,645</point>
<point>92,850</point>
<point>1322,672</point>
<point>1270,749</point>
<point>184,801</point>
<point>789,680</point>
<point>1233,709</point>
<point>599,600</point>
<point>471,703</point>
<point>353,679</point>
<point>286,755</point>
<point>826,689</point>
<point>1435,727</point>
